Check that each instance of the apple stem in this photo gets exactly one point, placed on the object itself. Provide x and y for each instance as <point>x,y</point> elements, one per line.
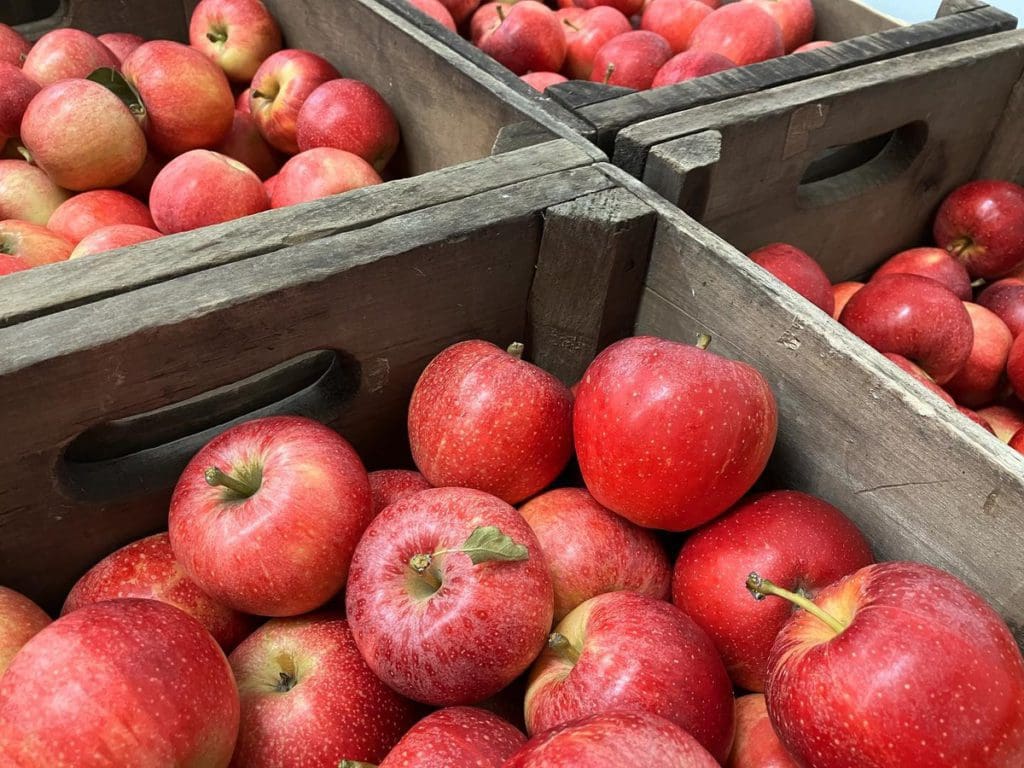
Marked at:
<point>562,646</point>
<point>570,25</point>
<point>355,764</point>
<point>215,477</point>
<point>703,341</point>
<point>978,283</point>
<point>500,10</point>
<point>609,70</point>
<point>217,35</point>
<point>762,588</point>
<point>420,564</point>
<point>516,349</point>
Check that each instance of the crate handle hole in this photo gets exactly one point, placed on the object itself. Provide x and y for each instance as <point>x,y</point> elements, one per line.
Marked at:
<point>847,171</point>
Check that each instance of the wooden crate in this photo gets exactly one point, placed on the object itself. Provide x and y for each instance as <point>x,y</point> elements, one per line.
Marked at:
<point>457,124</point>
<point>862,34</point>
<point>102,404</point>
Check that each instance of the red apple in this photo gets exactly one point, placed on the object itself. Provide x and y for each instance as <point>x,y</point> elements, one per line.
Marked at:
<point>36,245</point>
<point>813,46</point>
<point>16,93</point>
<point>457,737</point>
<point>270,185</point>
<point>200,188</point>
<point>1017,441</point>
<point>1006,298</point>
<point>243,102</point>
<point>796,540</point>
<point>674,20</point>
<point>188,101</point>
<point>797,270</point>
<point>285,484</point>
<point>390,485</point>
<point>449,596</point>
<point>627,8</point>
<point>919,375</point>
<point>980,381</point>
<point>27,193</point>
<point>122,682</point>
<point>436,10</point>
<point>461,10</point>
<point>669,435</point>
<point>236,35</point>
<point>587,34</point>
<point>20,621</point>
<point>147,569</point>
<point>915,317</point>
<point>624,650</point>
<point>689,65</point>
<point>897,664</point>
<point>349,115</point>
<point>982,224</point>
<point>1004,419</point>
<point>482,418</point>
<point>542,80</point>
<point>795,19</point>
<point>121,44</point>
<point>139,185</point>
<point>529,38</point>
<point>109,238</point>
<point>10,264</point>
<point>85,213</point>
<point>318,173</point>
<point>13,47</point>
<point>841,294</point>
<point>1014,364</point>
<point>66,53</point>
<point>930,262</point>
<point>309,699</point>
<point>742,32</point>
<point>614,740</point>
<point>631,60</point>
<point>613,554</point>
<point>279,89</point>
<point>83,136</point>
<point>756,745</point>
<point>246,144</point>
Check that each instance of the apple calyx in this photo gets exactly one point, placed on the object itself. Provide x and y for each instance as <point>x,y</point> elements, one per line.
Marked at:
<point>239,488</point>
<point>762,588</point>
<point>563,648</point>
<point>117,84</point>
<point>703,341</point>
<point>217,34</point>
<point>961,246</point>
<point>285,683</point>
<point>516,349</point>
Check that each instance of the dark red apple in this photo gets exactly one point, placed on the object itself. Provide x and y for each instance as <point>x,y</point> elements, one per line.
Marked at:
<point>121,44</point>
<point>614,740</point>
<point>309,699</point>
<point>742,32</point>
<point>930,262</point>
<point>919,375</point>
<point>147,569</point>
<point>674,20</point>
<point>1015,366</point>
<point>916,317</point>
<point>20,621</point>
<point>799,541</point>
<point>390,485</point>
<point>119,683</point>
<point>624,650</point>
<point>529,38</point>
<point>449,596</point>
<point>631,60</point>
<point>591,550</point>
<point>795,19</point>
<point>689,65</point>
<point>457,737</point>
<point>482,418</point>
<point>286,485</point>
<point>670,435</point>
<point>756,745</point>
<point>1017,441</point>
<point>982,224</point>
<point>587,34</point>
<point>797,270</point>
<point>1006,298</point>
<point>1004,419</point>
<point>841,294</point>
<point>897,664</point>
<point>18,90</point>
<point>981,380</point>
<point>13,47</point>
<point>246,144</point>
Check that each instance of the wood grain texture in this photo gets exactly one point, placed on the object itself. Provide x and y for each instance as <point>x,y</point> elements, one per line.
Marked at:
<point>152,19</point>
<point>1004,158</point>
<point>469,264</point>
<point>753,194</point>
<point>920,480</point>
<point>590,271</point>
<point>36,292</point>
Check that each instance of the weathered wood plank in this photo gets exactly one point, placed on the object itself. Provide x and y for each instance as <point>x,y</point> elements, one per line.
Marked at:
<point>152,20</point>
<point>590,271</point>
<point>1004,158</point>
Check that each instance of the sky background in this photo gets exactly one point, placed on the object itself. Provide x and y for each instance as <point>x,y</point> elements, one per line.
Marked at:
<point>919,10</point>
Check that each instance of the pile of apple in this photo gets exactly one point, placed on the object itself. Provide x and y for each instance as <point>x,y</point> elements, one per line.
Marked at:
<point>636,44</point>
<point>94,128</point>
<point>420,619</point>
<point>951,315</point>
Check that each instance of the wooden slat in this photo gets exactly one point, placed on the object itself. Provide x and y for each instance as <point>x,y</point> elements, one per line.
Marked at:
<point>753,194</point>
<point>164,19</point>
<point>590,272</point>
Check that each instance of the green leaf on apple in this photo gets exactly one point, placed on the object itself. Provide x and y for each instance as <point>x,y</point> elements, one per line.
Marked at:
<point>116,83</point>
<point>488,543</point>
